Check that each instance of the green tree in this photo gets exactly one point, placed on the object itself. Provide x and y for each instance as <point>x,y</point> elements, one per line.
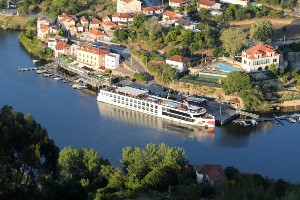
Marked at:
<point>236,82</point>
<point>28,158</point>
<point>173,51</point>
<point>82,167</point>
<point>261,31</point>
<point>273,69</point>
<point>233,39</point>
<point>204,14</point>
<point>152,167</point>
<point>139,20</point>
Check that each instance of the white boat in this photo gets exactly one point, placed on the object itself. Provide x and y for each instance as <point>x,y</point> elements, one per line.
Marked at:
<point>57,78</point>
<point>79,86</point>
<point>35,61</point>
<point>292,120</point>
<point>140,100</point>
<point>41,71</point>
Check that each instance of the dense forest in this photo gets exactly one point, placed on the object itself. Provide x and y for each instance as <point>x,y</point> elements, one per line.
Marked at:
<point>32,167</point>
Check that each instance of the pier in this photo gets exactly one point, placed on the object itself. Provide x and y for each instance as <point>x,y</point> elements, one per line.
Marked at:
<point>30,69</point>
<point>276,120</point>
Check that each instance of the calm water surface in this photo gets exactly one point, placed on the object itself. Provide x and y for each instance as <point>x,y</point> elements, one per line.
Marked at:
<point>74,118</point>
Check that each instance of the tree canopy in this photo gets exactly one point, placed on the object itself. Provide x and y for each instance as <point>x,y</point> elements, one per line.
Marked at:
<point>233,39</point>
<point>28,158</point>
<point>236,82</point>
<point>261,31</point>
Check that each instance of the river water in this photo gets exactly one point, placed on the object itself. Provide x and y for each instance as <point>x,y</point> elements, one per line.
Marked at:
<point>74,118</point>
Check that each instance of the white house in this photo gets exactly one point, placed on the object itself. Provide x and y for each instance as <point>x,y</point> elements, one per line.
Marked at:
<point>178,3</point>
<point>212,174</point>
<point>153,10</point>
<point>112,61</point>
<point>62,48</point>
<point>259,57</point>
<point>129,6</point>
<point>236,2</point>
<point>216,12</point>
<point>122,17</point>
<point>188,25</point>
<point>208,4</point>
<point>179,63</point>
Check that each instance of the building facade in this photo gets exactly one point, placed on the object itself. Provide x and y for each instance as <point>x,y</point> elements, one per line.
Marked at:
<point>259,57</point>
<point>92,56</point>
<point>112,61</point>
<point>179,63</point>
<point>129,6</point>
<point>178,3</point>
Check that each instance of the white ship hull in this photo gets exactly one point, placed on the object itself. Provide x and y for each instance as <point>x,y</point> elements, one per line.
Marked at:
<point>154,109</point>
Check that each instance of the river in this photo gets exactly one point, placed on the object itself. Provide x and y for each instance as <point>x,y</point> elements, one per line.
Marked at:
<point>74,118</point>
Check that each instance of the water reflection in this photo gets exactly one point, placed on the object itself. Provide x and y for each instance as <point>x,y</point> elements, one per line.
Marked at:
<point>237,136</point>
<point>137,118</point>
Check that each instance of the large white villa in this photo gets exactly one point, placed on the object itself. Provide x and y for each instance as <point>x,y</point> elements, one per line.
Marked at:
<point>259,57</point>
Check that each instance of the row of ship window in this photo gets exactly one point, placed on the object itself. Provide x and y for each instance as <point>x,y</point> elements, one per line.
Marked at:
<point>132,101</point>
<point>136,105</point>
<point>178,117</point>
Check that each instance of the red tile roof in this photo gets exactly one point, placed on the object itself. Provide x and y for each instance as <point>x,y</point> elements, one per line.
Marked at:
<point>79,24</point>
<point>83,19</point>
<point>94,20</point>
<point>179,59</point>
<point>96,32</point>
<point>259,49</point>
<point>214,172</point>
<point>152,8</point>
<point>170,14</point>
<point>122,15</point>
<point>98,51</point>
<point>61,46</point>
<point>106,18</point>
<point>207,2</point>
<point>109,23</point>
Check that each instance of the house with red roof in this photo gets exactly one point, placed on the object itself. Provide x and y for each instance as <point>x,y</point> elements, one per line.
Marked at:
<point>93,35</point>
<point>106,18</point>
<point>259,57</point>
<point>95,23</point>
<point>92,56</point>
<point>179,63</point>
<point>213,174</point>
<point>84,22</point>
<point>80,27</point>
<point>129,6</point>
<point>208,4</point>
<point>62,48</point>
<point>169,18</point>
<point>178,3</point>
<point>153,10</point>
<point>122,17</point>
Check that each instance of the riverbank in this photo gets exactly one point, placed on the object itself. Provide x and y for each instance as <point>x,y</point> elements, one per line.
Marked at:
<point>14,22</point>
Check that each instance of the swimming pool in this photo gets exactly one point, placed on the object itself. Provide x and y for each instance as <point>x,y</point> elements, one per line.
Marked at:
<point>224,67</point>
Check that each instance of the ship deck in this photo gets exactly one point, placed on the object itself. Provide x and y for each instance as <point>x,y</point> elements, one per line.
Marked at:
<point>143,95</point>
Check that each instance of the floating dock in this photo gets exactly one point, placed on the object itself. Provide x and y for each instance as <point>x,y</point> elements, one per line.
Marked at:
<point>30,69</point>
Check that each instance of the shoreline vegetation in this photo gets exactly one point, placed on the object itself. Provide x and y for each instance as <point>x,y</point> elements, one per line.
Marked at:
<point>35,168</point>
<point>33,45</point>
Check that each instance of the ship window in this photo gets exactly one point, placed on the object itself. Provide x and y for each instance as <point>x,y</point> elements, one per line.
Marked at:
<point>143,103</point>
<point>130,100</point>
<point>156,107</point>
<point>147,104</point>
<point>119,97</point>
<point>139,107</point>
<point>139,102</point>
<point>151,110</point>
<point>110,95</point>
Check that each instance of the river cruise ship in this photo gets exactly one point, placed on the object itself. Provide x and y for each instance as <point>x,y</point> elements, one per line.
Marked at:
<point>142,101</point>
